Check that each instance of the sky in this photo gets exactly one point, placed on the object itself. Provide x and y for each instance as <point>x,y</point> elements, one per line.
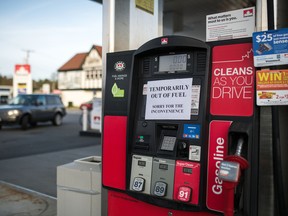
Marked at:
<point>52,30</point>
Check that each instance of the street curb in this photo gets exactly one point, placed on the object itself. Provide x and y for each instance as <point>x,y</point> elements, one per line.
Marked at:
<point>16,200</point>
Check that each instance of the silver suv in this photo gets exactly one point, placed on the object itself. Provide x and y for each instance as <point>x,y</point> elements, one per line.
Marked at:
<point>28,109</point>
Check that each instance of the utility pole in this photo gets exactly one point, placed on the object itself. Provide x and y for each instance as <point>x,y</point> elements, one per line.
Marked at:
<point>26,60</point>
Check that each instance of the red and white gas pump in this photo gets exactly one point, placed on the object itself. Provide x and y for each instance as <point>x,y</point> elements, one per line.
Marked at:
<point>184,119</point>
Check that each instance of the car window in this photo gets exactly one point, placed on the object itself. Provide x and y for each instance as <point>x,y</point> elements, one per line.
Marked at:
<point>53,100</point>
<point>3,99</point>
<point>58,101</point>
<point>21,100</point>
<point>26,100</point>
<point>41,100</point>
<point>50,100</point>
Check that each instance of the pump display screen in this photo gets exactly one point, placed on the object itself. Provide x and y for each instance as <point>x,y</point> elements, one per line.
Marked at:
<point>168,143</point>
<point>142,163</point>
<point>187,170</point>
<point>163,166</point>
<point>173,63</point>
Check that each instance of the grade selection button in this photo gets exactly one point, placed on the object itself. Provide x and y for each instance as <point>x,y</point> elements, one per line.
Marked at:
<point>160,189</point>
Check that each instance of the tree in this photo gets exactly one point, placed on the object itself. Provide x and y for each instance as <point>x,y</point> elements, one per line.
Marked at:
<point>4,80</point>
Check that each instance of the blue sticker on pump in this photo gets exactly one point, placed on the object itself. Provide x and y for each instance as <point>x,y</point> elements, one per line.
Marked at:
<point>191,131</point>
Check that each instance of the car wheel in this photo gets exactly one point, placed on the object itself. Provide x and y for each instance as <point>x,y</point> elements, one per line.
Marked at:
<point>25,122</point>
<point>0,127</point>
<point>57,119</point>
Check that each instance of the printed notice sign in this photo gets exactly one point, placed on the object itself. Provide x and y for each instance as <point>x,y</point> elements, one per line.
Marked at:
<point>230,25</point>
<point>195,99</point>
<point>169,99</point>
<point>272,87</point>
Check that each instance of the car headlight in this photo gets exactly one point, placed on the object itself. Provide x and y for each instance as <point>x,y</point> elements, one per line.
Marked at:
<point>13,112</point>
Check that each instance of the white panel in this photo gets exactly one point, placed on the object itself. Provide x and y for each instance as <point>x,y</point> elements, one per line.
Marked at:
<point>143,25</point>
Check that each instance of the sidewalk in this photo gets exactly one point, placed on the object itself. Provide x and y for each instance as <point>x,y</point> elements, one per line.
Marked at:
<point>19,201</point>
<point>38,172</point>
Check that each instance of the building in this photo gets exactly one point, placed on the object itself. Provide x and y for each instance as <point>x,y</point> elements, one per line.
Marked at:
<point>5,93</point>
<point>80,78</point>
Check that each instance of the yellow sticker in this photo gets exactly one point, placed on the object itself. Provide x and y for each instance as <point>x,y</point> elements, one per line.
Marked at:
<point>146,5</point>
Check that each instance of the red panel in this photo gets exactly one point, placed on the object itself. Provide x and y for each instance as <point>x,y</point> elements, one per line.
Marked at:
<point>120,204</point>
<point>218,143</point>
<point>185,180</point>
<point>232,90</point>
<point>114,152</point>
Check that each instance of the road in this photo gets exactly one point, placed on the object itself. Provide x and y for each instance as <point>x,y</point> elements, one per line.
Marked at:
<point>30,158</point>
<point>44,138</point>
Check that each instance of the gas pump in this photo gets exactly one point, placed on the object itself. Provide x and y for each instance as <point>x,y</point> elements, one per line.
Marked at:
<point>172,115</point>
<point>166,155</point>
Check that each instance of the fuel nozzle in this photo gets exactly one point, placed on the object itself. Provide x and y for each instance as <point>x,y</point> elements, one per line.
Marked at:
<point>233,165</point>
<point>237,157</point>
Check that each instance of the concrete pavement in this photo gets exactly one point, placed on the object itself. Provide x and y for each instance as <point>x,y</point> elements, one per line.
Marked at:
<point>37,194</point>
<point>15,200</point>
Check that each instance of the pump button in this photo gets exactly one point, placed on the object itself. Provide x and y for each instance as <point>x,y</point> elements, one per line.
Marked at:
<point>138,184</point>
<point>184,194</point>
<point>160,189</point>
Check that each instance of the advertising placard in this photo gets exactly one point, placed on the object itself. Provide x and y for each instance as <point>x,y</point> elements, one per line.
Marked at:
<point>272,87</point>
<point>169,99</point>
<point>22,88</point>
<point>270,47</point>
<point>232,83</point>
<point>230,25</point>
<point>22,79</point>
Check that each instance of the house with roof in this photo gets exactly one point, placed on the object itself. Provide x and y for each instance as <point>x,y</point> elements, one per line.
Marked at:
<point>80,78</point>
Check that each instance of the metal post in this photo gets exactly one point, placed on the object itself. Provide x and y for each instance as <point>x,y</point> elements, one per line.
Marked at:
<point>84,119</point>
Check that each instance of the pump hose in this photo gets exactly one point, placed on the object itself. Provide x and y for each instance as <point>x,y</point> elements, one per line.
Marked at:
<point>239,146</point>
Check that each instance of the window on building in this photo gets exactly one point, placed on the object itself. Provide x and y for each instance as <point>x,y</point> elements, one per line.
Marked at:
<point>99,74</point>
<point>93,74</point>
